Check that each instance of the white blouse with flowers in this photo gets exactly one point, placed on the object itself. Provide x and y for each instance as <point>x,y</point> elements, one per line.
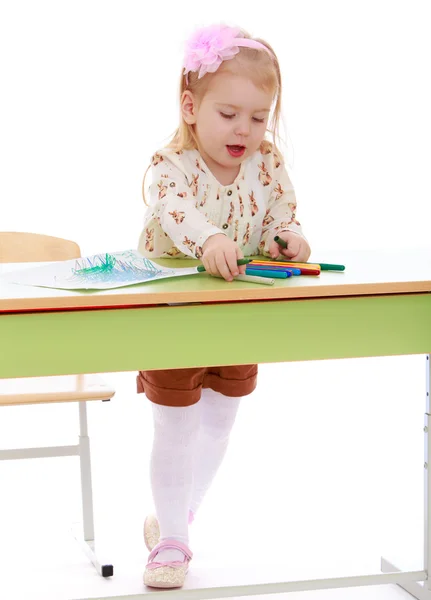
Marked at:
<point>188,204</point>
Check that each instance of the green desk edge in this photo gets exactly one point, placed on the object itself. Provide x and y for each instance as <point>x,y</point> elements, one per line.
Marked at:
<point>97,341</point>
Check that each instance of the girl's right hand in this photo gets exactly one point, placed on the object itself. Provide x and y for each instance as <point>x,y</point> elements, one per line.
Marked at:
<point>219,257</point>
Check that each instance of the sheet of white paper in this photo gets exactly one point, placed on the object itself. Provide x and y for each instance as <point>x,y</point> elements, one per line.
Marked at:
<point>97,272</point>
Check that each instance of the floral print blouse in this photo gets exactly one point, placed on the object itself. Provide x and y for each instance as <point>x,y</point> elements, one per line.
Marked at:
<point>188,204</point>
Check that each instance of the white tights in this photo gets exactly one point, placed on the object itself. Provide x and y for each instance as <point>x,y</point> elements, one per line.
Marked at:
<point>188,447</point>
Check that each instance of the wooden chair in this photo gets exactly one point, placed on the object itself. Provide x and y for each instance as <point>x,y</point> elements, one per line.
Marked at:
<point>31,247</point>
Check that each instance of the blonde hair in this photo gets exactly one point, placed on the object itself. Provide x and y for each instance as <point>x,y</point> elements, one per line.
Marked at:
<point>263,70</point>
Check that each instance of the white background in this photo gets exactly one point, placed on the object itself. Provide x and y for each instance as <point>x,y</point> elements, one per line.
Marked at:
<point>330,458</point>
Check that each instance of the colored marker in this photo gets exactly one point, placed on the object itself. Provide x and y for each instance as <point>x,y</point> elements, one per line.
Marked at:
<point>280,241</point>
<point>292,270</point>
<point>264,273</point>
<point>305,270</point>
<point>251,279</point>
<point>325,266</point>
<point>287,263</point>
<point>254,279</point>
<point>241,261</point>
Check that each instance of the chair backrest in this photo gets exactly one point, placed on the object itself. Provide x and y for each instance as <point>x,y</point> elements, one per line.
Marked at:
<point>33,247</point>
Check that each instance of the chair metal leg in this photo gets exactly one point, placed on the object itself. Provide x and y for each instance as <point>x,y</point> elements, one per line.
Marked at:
<point>86,482</point>
<point>86,540</point>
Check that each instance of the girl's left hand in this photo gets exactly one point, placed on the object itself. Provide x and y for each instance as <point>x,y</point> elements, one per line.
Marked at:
<point>297,248</point>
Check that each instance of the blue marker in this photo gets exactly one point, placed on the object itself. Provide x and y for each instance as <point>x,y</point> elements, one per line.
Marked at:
<point>267,273</point>
<point>292,270</point>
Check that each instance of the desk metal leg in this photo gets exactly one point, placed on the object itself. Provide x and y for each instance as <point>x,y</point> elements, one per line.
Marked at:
<point>422,590</point>
<point>87,541</point>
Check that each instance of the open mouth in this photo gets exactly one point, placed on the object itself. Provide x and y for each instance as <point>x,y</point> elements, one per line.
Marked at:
<point>236,150</point>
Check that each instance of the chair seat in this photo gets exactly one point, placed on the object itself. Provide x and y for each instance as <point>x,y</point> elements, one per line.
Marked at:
<point>64,388</point>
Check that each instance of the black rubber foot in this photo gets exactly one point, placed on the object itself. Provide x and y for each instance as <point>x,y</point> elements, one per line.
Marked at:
<point>107,570</point>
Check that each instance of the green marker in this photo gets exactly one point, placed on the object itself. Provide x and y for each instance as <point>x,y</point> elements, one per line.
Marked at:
<point>329,267</point>
<point>323,266</point>
<point>241,261</point>
<point>280,242</point>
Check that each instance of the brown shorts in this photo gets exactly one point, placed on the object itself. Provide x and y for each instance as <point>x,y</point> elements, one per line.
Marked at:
<point>183,387</point>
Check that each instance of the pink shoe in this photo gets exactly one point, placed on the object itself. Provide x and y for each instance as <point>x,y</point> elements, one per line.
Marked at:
<point>152,530</point>
<point>167,574</point>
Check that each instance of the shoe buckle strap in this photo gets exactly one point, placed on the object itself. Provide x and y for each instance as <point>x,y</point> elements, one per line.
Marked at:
<point>171,545</point>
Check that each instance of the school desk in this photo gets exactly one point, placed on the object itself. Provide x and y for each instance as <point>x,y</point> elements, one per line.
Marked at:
<point>380,306</point>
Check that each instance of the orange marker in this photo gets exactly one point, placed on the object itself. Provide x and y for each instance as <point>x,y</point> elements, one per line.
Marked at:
<point>309,269</point>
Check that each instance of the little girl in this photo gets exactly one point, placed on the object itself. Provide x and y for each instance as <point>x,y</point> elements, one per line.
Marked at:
<point>220,191</point>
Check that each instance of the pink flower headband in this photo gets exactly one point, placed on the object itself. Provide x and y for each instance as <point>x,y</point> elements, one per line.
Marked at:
<point>208,47</point>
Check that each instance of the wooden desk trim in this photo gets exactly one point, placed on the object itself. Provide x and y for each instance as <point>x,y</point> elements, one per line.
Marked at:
<point>233,292</point>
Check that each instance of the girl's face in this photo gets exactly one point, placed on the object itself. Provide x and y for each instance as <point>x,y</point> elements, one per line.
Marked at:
<point>233,113</point>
